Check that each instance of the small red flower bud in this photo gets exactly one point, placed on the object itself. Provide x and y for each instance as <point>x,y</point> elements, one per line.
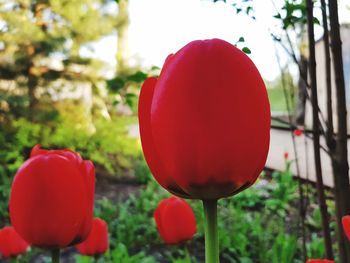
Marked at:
<point>298,132</point>
<point>346,225</point>
<point>52,198</point>
<point>319,261</point>
<point>286,155</point>
<point>11,244</point>
<point>97,242</point>
<point>205,122</point>
<point>175,220</point>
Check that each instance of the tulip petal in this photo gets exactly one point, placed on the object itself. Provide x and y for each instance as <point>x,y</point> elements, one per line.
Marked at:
<point>89,177</point>
<point>151,156</point>
<point>37,151</point>
<point>11,244</point>
<point>346,225</point>
<point>97,242</point>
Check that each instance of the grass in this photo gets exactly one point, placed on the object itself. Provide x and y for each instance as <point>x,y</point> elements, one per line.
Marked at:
<point>277,100</point>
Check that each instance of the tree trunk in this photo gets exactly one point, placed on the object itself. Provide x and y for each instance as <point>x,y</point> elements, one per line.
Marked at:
<point>123,27</point>
<point>316,135</point>
<point>32,81</point>
<point>340,157</point>
<point>32,84</point>
<point>330,129</point>
<point>302,93</point>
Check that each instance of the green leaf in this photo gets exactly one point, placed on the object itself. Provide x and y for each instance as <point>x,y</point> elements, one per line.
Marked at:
<point>246,50</point>
<point>249,9</point>
<point>115,84</point>
<point>138,77</point>
<point>316,21</point>
<point>130,98</point>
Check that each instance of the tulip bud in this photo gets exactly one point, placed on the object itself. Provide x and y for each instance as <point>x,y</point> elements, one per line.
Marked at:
<point>11,244</point>
<point>52,198</point>
<point>175,220</point>
<point>205,122</point>
<point>97,242</point>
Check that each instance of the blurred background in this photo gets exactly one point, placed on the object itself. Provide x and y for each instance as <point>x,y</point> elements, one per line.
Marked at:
<point>70,76</point>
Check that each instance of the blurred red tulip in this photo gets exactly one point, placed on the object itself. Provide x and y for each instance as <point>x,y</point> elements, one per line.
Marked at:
<point>285,155</point>
<point>346,225</point>
<point>97,241</point>
<point>175,220</point>
<point>52,198</point>
<point>11,244</point>
<point>319,261</point>
<point>298,132</point>
<point>205,123</point>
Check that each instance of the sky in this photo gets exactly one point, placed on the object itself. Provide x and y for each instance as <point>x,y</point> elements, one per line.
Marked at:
<point>160,27</point>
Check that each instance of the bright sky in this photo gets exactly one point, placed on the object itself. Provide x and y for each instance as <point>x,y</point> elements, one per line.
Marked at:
<point>161,27</point>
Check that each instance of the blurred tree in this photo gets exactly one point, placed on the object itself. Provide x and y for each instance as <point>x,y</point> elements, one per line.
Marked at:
<point>40,42</point>
<point>123,27</point>
<point>124,86</point>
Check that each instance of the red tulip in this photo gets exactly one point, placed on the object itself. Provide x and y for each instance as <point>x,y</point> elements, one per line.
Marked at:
<point>97,241</point>
<point>11,244</point>
<point>319,261</point>
<point>205,122</point>
<point>285,155</point>
<point>346,225</point>
<point>298,132</point>
<point>175,220</point>
<point>52,196</point>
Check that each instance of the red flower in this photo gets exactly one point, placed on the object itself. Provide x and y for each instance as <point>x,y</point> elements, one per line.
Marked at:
<point>285,155</point>
<point>298,132</point>
<point>175,220</point>
<point>319,261</point>
<point>346,225</point>
<point>11,244</point>
<point>97,241</point>
<point>52,197</point>
<point>205,123</point>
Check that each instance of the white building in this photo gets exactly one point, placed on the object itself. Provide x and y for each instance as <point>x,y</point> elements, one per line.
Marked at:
<point>321,79</point>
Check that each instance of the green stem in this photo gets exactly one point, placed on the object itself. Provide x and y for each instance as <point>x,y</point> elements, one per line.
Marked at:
<point>55,255</point>
<point>211,231</point>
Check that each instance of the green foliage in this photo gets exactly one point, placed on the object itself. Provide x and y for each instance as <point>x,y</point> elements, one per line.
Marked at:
<point>133,231</point>
<point>108,146</point>
<point>315,248</point>
<point>293,14</point>
<point>244,6</point>
<point>119,254</point>
<point>244,49</point>
<point>127,86</point>
<point>284,248</point>
<point>252,224</point>
<point>186,258</point>
<point>283,191</point>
